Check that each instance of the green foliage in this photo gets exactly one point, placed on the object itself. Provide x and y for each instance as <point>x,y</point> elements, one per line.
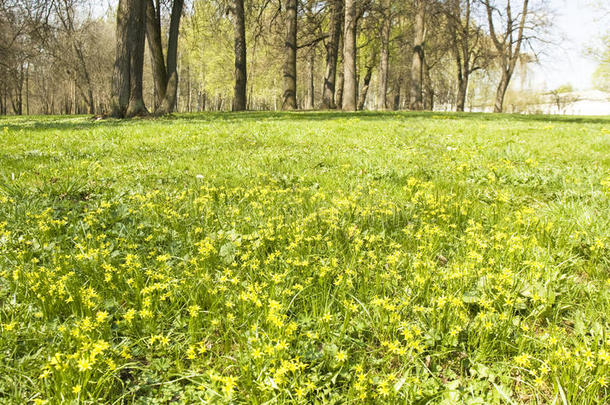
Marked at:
<point>305,258</point>
<point>207,41</point>
<point>566,88</point>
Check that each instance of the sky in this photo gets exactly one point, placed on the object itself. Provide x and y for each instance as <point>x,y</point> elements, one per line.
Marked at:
<point>576,26</point>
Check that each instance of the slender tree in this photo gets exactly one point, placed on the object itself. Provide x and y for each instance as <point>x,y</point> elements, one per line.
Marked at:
<point>384,55</point>
<point>364,89</point>
<point>241,76</point>
<point>467,46</point>
<point>350,82</point>
<point>65,11</point>
<point>507,45</point>
<point>417,65</point>
<point>339,89</point>
<point>289,100</point>
<point>310,79</point>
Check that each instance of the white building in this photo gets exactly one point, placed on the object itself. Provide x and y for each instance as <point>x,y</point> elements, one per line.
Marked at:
<point>590,102</point>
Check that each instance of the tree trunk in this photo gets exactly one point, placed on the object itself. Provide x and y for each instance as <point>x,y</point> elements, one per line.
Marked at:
<point>171,93</point>
<point>508,55</point>
<point>289,101</point>
<point>19,110</point>
<point>384,56</point>
<point>339,95</point>
<point>136,39</point>
<point>349,57</point>
<point>311,89</point>
<point>81,57</point>
<point>459,28</point>
<point>241,76</point>
<point>417,66</point>
<point>27,89</point>
<point>397,93</point>
<point>461,94</point>
<point>188,88</point>
<point>121,71</point>
<point>429,100</point>
<point>365,87</point>
<point>501,92</point>
<point>153,34</point>
<point>332,51</point>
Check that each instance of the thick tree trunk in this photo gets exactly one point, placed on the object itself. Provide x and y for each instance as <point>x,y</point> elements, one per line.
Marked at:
<point>332,51</point>
<point>289,99</point>
<point>429,99</point>
<point>417,66</point>
<point>365,87</point>
<point>501,92</point>
<point>461,93</point>
<point>137,38</point>
<point>241,76</point>
<point>384,57</point>
<point>349,57</point>
<point>153,34</point>
<point>121,72</point>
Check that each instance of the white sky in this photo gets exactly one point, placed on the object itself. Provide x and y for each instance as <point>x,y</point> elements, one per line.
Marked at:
<point>577,25</point>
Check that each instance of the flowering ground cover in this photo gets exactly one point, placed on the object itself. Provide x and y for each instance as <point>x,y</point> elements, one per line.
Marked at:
<point>305,258</point>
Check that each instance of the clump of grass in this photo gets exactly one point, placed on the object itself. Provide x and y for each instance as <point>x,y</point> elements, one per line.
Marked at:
<point>311,258</point>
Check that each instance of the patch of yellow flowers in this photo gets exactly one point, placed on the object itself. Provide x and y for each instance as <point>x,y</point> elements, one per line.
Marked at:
<point>299,295</point>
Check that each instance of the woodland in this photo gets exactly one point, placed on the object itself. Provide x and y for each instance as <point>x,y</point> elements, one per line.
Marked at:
<point>138,57</point>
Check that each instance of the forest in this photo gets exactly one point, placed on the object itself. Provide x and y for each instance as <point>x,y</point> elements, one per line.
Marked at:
<point>86,57</point>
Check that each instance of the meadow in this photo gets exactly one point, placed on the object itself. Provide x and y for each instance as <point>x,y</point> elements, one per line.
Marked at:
<point>324,258</point>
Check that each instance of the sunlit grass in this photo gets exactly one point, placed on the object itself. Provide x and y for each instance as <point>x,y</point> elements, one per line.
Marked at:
<point>318,257</point>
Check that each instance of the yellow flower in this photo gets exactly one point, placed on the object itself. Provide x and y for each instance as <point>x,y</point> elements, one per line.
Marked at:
<point>101,316</point>
<point>523,360</point>
<point>229,385</point>
<point>194,310</point>
<point>257,353</point>
<point>9,326</point>
<point>84,364</point>
<point>129,315</point>
<point>341,356</point>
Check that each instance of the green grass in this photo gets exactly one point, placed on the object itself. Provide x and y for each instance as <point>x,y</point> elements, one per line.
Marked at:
<point>305,258</point>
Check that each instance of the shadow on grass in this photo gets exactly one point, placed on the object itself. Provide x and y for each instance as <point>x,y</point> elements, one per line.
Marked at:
<point>386,115</point>
<point>46,123</point>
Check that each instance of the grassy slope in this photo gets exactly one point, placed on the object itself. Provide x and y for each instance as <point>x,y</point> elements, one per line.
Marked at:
<point>398,256</point>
